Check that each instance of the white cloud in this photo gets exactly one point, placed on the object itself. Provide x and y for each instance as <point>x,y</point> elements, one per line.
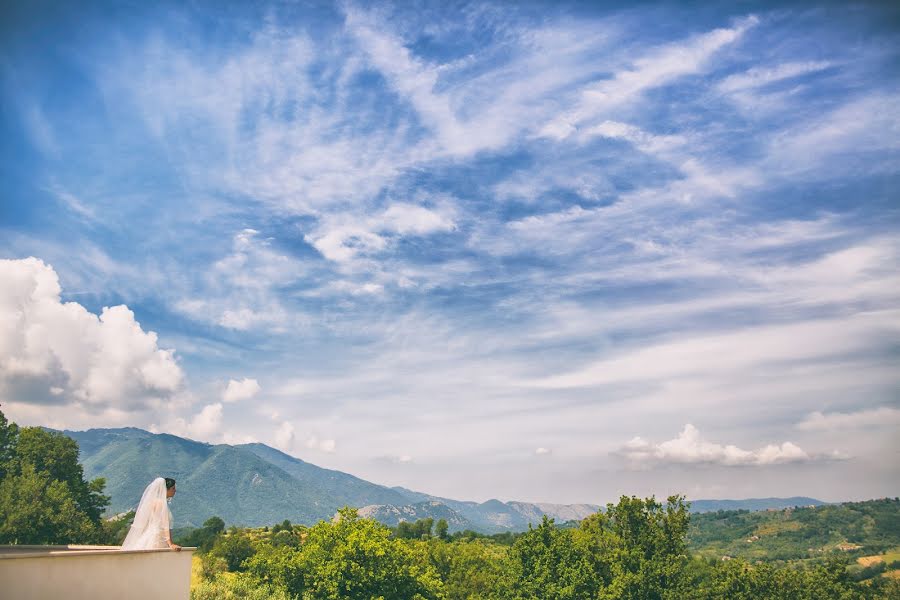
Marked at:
<point>690,448</point>
<point>405,219</point>
<point>240,291</point>
<point>884,416</point>
<point>53,352</point>
<point>542,451</point>
<point>322,445</point>
<point>206,425</point>
<point>646,142</point>
<point>284,437</point>
<point>654,69</point>
<point>738,351</point>
<point>857,137</point>
<point>244,389</point>
<point>207,422</point>
<point>762,76</point>
<point>343,237</point>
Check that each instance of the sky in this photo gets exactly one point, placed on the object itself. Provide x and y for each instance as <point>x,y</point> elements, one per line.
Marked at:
<point>551,252</point>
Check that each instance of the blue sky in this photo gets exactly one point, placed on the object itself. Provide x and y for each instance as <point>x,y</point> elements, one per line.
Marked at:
<point>551,251</point>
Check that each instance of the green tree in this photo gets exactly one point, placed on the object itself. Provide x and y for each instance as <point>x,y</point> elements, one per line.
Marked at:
<point>57,455</point>
<point>234,549</point>
<point>349,558</point>
<point>9,433</point>
<point>44,498</point>
<point>215,525</point>
<point>468,570</point>
<point>204,537</point>
<point>639,547</point>
<point>35,509</point>
<point>441,530</point>
<point>283,526</point>
<point>546,563</point>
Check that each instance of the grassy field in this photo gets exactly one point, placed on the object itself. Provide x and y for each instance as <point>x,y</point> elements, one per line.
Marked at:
<point>889,557</point>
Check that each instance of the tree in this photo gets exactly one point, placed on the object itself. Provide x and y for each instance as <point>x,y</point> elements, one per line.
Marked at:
<point>35,509</point>
<point>283,526</point>
<point>441,530</point>
<point>641,547</point>
<point>545,562</point>
<point>44,498</point>
<point>204,537</point>
<point>215,525</point>
<point>635,550</point>
<point>350,558</point>
<point>9,433</point>
<point>468,570</point>
<point>421,529</point>
<point>234,549</point>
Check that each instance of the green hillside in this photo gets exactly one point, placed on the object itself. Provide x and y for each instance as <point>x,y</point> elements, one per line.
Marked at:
<point>860,528</point>
<point>242,485</point>
<point>253,484</point>
<point>339,488</point>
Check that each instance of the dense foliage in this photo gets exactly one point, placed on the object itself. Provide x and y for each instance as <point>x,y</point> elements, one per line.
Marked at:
<point>44,497</point>
<point>633,549</point>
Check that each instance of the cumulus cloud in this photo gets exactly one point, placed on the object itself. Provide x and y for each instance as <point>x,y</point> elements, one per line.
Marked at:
<point>542,451</point>
<point>244,389</point>
<point>53,352</point>
<point>884,416</point>
<point>690,448</point>
<point>284,436</point>
<point>322,445</point>
<point>205,425</point>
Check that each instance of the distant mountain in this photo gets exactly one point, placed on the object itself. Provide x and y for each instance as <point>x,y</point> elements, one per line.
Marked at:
<point>254,484</point>
<point>392,515</point>
<point>753,504</point>
<point>495,516</point>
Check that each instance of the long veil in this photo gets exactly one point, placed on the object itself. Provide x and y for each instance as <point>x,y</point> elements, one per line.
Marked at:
<point>150,529</point>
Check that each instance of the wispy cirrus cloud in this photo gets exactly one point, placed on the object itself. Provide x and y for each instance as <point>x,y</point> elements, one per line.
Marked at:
<point>658,67</point>
<point>550,220</point>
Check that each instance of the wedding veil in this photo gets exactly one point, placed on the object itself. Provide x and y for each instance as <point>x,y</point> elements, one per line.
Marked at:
<point>150,529</point>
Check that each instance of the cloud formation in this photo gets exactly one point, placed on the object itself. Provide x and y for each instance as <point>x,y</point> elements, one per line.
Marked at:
<point>54,352</point>
<point>244,389</point>
<point>690,448</point>
<point>474,224</point>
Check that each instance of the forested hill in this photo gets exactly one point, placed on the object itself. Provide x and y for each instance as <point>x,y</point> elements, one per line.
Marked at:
<point>753,504</point>
<point>864,528</point>
<point>254,484</point>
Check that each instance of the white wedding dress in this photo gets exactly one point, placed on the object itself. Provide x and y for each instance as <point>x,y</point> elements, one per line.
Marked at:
<point>152,520</point>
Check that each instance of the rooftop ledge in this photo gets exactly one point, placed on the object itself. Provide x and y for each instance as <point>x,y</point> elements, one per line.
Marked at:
<point>95,572</point>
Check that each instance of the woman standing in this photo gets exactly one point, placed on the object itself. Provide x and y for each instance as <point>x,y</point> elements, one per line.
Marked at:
<point>151,529</point>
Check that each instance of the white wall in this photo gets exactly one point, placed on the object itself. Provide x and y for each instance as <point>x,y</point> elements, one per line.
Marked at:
<point>93,573</point>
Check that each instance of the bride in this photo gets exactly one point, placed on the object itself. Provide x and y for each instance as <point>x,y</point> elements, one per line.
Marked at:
<point>151,529</point>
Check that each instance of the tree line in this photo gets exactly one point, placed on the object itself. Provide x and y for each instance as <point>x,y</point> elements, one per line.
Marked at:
<point>634,549</point>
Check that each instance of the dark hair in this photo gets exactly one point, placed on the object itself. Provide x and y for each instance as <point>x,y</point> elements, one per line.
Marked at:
<point>170,483</point>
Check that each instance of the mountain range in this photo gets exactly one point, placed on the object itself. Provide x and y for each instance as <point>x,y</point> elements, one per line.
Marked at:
<point>254,485</point>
